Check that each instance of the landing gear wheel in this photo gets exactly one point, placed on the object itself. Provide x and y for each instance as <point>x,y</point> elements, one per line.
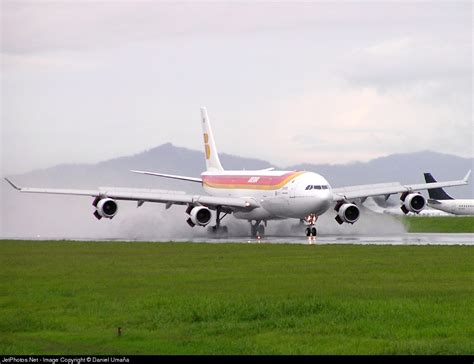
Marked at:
<point>313,231</point>
<point>308,231</point>
<point>253,231</point>
<point>256,230</point>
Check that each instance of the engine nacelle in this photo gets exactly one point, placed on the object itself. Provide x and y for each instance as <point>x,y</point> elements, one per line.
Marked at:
<point>412,202</point>
<point>107,208</point>
<point>199,215</point>
<point>347,212</point>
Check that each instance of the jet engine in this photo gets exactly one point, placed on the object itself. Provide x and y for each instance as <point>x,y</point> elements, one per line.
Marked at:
<point>347,212</point>
<point>412,202</point>
<point>198,215</point>
<point>106,207</point>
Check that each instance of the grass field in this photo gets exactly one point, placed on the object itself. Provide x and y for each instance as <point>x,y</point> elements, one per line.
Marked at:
<point>439,224</point>
<point>189,298</point>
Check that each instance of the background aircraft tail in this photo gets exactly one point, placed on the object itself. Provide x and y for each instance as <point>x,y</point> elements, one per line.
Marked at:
<point>210,151</point>
<point>436,193</point>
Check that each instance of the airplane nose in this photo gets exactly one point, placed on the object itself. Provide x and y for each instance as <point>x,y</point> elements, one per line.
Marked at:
<point>328,199</point>
<point>323,202</point>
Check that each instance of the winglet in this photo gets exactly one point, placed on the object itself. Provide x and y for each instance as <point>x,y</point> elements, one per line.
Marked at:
<point>12,184</point>
<point>466,178</point>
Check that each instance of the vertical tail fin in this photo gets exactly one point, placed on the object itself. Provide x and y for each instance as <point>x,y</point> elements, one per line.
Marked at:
<point>212,158</point>
<point>436,193</point>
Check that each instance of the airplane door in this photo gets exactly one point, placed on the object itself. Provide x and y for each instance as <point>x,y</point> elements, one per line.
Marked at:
<point>292,189</point>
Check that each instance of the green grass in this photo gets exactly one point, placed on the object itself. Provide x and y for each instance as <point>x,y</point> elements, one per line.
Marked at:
<point>189,298</point>
<point>439,224</point>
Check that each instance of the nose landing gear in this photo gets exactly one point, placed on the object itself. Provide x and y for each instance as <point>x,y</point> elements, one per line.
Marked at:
<point>311,229</point>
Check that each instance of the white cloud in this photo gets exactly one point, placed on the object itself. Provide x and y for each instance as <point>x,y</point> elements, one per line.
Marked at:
<point>334,125</point>
<point>333,81</point>
<point>400,61</point>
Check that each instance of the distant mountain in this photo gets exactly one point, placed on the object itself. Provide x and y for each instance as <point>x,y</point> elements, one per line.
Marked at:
<point>31,215</point>
<point>404,168</point>
<point>167,158</point>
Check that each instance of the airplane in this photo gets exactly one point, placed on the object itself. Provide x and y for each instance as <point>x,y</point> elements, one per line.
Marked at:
<point>381,208</point>
<point>440,200</point>
<point>254,195</point>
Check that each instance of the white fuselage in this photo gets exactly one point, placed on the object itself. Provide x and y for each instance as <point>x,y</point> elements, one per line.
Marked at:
<point>456,206</point>
<point>281,194</point>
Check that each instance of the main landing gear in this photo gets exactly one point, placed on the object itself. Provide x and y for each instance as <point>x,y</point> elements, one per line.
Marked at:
<point>257,230</point>
<point>218,229</point>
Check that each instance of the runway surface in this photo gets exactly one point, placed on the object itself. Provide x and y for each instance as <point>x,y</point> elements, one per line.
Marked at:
<point>405,239</point>
<point>393,239</point>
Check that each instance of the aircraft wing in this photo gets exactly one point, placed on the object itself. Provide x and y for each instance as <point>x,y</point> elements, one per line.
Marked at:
<point>386,189</point>
<point>148,195</point>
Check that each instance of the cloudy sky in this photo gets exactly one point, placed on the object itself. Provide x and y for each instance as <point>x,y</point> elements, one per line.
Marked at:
<point>289,82</point>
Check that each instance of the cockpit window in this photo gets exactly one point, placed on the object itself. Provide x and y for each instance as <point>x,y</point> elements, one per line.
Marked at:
<point>316,187</point>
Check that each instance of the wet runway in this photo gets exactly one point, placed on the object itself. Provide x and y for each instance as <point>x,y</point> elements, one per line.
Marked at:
<point>389,239</point>
<point>399,239</point>
<point>403,239</point>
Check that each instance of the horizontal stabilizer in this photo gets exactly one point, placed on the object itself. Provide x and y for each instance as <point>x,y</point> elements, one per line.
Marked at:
<point>183,178</point>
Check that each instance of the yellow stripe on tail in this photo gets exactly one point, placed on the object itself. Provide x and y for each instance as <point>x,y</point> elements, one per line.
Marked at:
<point>212,158</point>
